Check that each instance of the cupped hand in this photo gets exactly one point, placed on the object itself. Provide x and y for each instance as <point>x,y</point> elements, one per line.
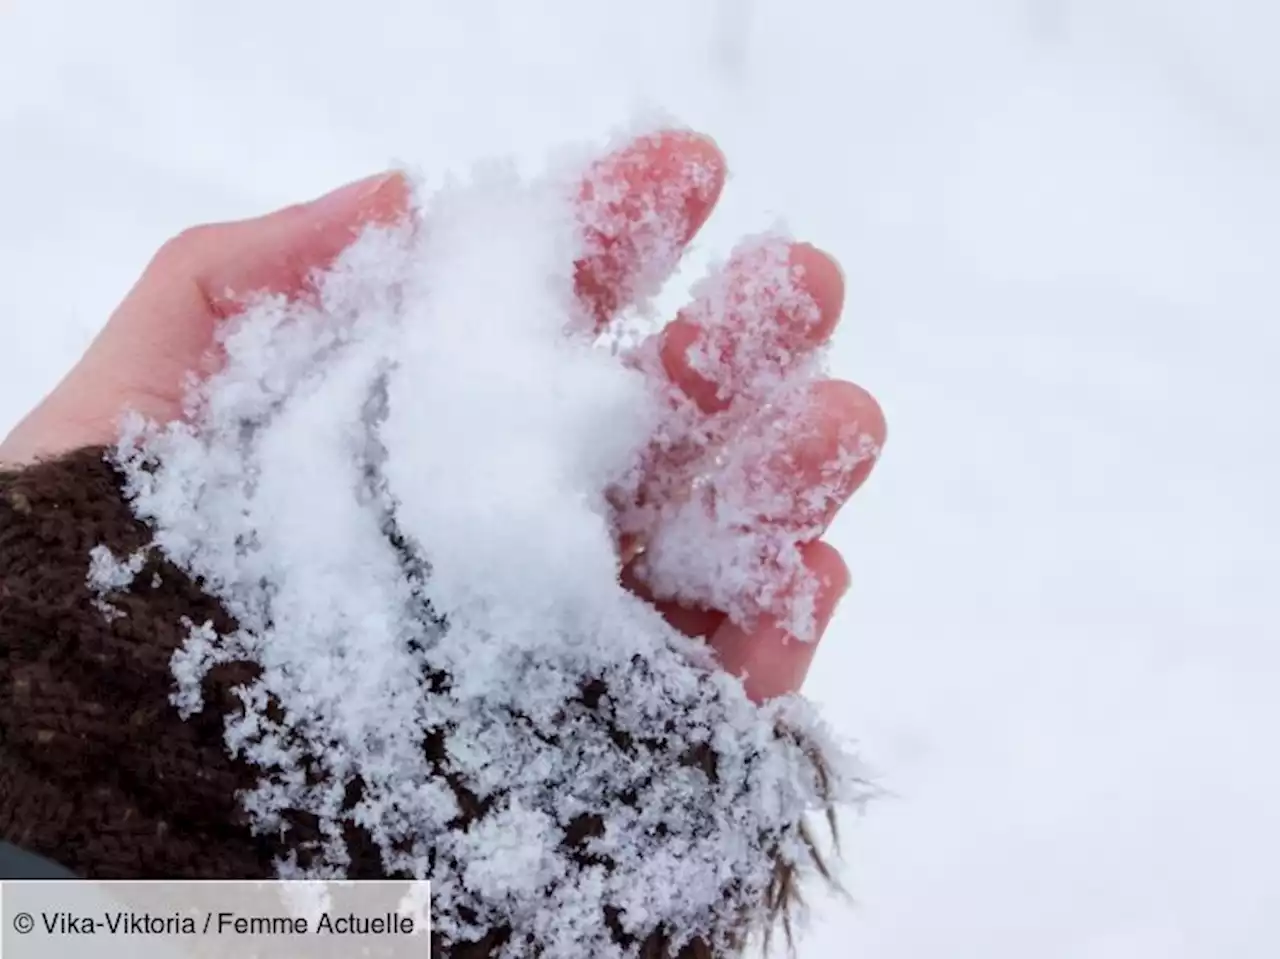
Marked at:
<point>165,330</point>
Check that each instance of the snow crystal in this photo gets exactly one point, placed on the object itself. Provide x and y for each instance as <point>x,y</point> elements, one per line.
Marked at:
<point>109,574</point>
<point>407,491</point>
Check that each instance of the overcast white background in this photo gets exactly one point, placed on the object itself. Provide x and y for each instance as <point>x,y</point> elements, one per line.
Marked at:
<point>1060,223</point>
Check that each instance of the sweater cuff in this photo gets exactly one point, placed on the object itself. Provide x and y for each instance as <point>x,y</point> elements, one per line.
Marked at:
<point>97,771</point>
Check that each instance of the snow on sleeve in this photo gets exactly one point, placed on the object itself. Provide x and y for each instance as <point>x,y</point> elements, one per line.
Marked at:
<point>405,493</point>
<point>109,574</point>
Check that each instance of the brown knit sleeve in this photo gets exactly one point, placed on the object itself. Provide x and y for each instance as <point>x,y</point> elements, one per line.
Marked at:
<point>97,770</point>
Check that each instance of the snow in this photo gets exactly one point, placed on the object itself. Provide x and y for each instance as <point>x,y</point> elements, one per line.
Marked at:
<point>1058,221</point>
<point>403,492</point>
<point>109,574</point>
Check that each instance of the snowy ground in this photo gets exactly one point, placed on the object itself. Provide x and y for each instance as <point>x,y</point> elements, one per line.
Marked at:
<point>1060,221</point>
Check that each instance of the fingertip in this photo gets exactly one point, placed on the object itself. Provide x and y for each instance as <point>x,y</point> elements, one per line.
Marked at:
<point>694,159</point>
<point>856,423</point>
<point>387,202</point>
<point>825,562</point>
<point>727,318</point>
<point>689,156</point>
<point>639,207</point>
<point>771,660</point>
<point>846,408</point>
<point>833,449</point>
<point>337,217</point>
<point>819,274</point>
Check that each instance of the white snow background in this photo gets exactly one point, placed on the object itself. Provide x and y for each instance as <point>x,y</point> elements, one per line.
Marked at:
<point>1060,223</point>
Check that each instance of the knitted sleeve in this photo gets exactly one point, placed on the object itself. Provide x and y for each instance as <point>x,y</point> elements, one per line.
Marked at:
<point>97,771</point>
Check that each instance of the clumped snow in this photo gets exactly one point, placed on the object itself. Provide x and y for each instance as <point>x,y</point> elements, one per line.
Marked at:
<point>409,493</point>
<point>109,574</point>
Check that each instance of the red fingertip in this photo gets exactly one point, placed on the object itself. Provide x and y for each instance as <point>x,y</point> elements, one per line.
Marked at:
<point>639,208</point>
<point>745,335</point>
<point>770,660</point>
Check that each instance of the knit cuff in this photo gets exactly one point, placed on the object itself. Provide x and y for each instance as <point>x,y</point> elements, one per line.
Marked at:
<point>97,771</point>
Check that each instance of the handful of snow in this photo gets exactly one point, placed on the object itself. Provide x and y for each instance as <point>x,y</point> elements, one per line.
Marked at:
<point>408,492</point>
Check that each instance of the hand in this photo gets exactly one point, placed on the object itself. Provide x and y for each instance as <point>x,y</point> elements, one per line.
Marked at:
<point>165,329</point>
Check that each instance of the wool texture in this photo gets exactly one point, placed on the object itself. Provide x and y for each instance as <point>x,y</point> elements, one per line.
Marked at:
<point>98,772</point>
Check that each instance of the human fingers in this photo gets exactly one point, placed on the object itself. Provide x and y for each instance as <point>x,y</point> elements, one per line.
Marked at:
<point>780,482</point>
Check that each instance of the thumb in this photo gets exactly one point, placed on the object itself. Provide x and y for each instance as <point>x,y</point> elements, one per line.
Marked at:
<point>165,326</point>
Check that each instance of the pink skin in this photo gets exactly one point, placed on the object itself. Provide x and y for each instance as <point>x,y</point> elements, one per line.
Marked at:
<point>165,329</point>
